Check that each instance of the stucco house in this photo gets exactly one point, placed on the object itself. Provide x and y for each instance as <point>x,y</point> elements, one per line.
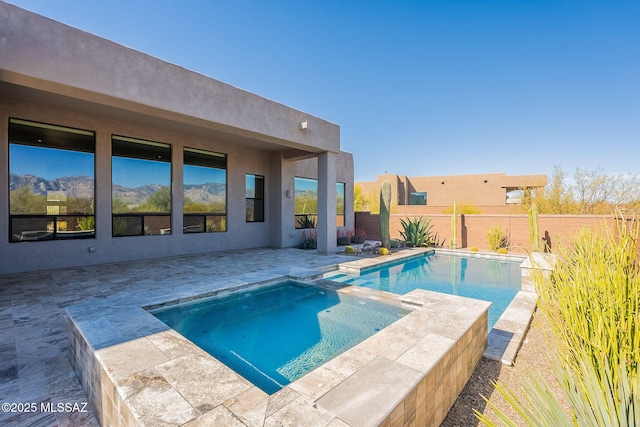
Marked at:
<point>490,192</point>
<point>110,155</point>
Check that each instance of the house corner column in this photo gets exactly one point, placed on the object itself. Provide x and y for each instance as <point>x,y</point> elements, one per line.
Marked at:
<point>281,216</point>
<point>327,203</point>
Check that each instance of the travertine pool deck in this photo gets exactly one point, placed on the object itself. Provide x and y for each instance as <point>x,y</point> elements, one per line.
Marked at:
<point>34,341</point>
<point>136,371</point>
<point>507,335</point>
<point>33,326</point>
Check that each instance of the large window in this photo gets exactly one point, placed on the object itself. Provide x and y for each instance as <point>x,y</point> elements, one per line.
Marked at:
<point>306,203</point>
<point>255,198</point>
<point>418,198</point>
<point>51,182</point>
<point>141,187</point>
<point>205,191</point>
<point>340,204</point>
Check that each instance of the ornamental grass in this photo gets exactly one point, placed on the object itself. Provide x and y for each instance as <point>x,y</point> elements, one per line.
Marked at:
<point>591,301</point>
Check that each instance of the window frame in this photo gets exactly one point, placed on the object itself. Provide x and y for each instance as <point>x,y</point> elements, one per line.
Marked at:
<point>309,220</point>
<point>341,216</point>
<point>142,151</point>
<point>254,199</point>
<point>206,159</point>
<point>55,137</point>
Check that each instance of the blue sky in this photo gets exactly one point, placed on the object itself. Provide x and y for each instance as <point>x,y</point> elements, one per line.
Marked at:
<point>418,88</point>
<point>133,173</point>
<point>50,163</point>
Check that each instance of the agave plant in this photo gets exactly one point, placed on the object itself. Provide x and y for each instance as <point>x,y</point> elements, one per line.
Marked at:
<point>417,231</point>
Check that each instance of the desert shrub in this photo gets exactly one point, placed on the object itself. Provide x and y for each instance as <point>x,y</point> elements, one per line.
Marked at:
<point>591,301</point>
<point>310,240</point>
<point>463,209</point>
<point>383,251</point>
<point>344,240</point>
<point>349,250</point>
<point>87,223</point>
<point>497,238</point>
<point>344,236</point>
<point>359,237</point>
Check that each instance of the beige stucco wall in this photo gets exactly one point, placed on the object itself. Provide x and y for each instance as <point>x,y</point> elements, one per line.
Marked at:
<point>52,73</point>
<point>240,161</point>
<point>43,54</point>
<point>477,190</point>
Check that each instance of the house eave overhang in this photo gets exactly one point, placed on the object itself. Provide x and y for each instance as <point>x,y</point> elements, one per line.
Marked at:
<point>44,61</point>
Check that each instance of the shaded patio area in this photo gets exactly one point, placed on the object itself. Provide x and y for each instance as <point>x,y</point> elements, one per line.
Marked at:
<point>34,362</point>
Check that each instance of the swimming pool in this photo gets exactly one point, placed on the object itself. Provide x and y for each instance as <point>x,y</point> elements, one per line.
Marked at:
<point>274,335</point>
<point>494,280</point>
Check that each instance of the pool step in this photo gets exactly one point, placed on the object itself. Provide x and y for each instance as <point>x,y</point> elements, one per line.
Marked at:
<point>347,279</point>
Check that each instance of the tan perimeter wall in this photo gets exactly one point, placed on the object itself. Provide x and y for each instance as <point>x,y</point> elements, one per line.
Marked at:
<point>472,229</point>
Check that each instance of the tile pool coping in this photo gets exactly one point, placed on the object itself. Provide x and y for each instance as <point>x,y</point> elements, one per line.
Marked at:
<point>127,388</point>
<point>508,333</point>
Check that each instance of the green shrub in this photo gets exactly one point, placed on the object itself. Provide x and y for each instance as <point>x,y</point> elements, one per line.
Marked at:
<point>87,223</point>
<point>417,231</point>
<point>383,251</point>
<point>497,238</point>
<point>349,250</point>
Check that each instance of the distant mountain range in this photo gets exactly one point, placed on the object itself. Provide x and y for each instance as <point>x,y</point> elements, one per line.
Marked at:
<point>74,186</point>
<point>83,187</point>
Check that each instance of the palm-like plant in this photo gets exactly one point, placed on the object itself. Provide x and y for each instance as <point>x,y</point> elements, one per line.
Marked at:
<point>417,232</point>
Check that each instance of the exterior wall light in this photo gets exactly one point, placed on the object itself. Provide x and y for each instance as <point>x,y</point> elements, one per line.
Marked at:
<point>303,125</point>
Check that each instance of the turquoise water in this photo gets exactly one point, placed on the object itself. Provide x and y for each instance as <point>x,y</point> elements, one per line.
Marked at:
<point>491,280</point>
<point>275,335</point>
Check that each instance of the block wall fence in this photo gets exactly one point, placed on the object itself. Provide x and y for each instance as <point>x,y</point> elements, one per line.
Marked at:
<point>472,229</point>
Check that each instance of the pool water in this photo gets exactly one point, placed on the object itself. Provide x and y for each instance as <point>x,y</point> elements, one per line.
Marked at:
<point>491,280</point>
<point>273,336</point>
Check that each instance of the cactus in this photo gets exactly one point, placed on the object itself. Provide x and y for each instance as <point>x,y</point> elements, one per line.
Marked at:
<point>534,236</point>
<point>385,208</point>
<point>454,225</point>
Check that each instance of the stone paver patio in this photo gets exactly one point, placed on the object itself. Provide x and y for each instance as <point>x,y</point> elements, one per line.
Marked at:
<point>34,361</point>
<point>35,367</point>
